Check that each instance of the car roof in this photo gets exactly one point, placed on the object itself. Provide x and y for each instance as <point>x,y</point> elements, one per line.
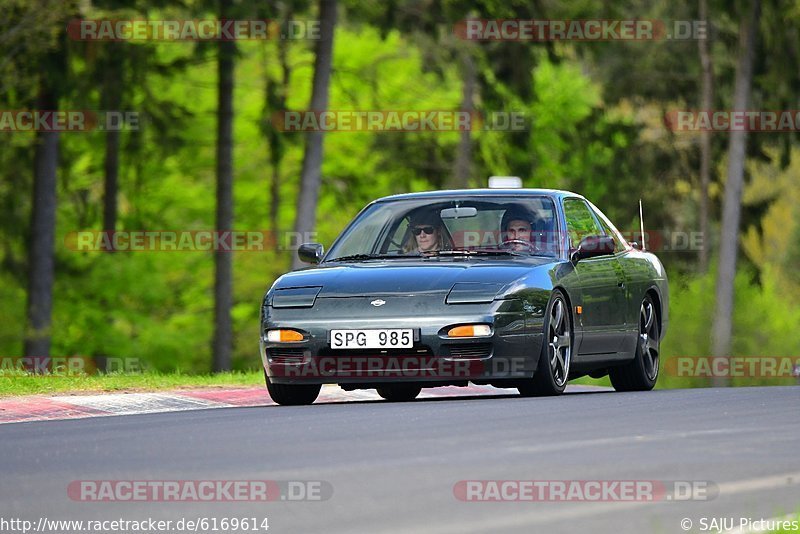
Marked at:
<point>554,193</point>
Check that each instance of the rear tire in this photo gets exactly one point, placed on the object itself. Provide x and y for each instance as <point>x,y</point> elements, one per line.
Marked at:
<point>292,394</point>
<point>399,393</point>
<point>642,372</point>
<point>552,372</point>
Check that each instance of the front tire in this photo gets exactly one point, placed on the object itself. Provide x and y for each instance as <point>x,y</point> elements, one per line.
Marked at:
<point>292,394</point>
<point>641,373</point>
<point>552,372</point>
<point>399,393</point>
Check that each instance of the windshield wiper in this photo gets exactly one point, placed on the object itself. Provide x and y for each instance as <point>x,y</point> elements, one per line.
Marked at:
<point>362,257</point>
<point>429,254</point>
<point>475,252</point>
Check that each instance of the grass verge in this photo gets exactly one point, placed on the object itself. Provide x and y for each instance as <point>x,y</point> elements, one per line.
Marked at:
<point>792,521</point>
<point>17,383</point>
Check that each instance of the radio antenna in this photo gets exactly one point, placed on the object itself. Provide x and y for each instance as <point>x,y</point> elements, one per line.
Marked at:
<point>641,224</point>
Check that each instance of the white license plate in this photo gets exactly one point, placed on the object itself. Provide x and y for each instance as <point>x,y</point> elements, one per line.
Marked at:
<point>395,338</point>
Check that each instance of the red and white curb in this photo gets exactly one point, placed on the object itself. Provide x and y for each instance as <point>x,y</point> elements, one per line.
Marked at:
<point>41,408</point>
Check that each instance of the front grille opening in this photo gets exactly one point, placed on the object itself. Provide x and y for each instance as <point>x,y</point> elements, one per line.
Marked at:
<point>288,355</point>
<point>470,351</point>
<point>384,362</point>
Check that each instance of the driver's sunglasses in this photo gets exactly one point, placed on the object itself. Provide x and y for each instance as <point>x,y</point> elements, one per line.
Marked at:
<point>419,229</point>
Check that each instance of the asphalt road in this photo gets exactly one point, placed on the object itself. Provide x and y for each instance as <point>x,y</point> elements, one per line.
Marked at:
<point>393,467</point>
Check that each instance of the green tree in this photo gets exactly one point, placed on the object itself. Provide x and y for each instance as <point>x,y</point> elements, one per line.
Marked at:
<point>311,176</point>
<point>731,213</point>
<point>223,260</point>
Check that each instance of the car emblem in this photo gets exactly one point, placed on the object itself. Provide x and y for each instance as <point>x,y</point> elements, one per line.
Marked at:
<point>378,302</point>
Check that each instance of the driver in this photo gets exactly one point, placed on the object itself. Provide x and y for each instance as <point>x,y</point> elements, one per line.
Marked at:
<point>516,228</point>
<point>426,232</point>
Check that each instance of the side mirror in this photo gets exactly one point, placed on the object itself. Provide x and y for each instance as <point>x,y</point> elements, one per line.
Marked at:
<point>592,246</point>
<point>310,252</point>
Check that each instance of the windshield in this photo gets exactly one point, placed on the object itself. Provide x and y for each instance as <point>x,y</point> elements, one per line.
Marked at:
<point>501,226</point>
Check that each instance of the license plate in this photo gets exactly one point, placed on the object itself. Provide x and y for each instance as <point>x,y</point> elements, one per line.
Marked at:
<point>395,338</point>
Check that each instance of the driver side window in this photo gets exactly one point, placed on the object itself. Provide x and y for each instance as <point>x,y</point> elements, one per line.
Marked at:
<point>397,239</point>
<point>580,221</point>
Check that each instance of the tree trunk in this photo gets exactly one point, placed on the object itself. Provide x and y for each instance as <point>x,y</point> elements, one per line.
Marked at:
<point>462,170</point>
<point>311,177</point>
<point>223,260</point>
<point>275,95</point>
<point>706,103</point>
<point>41,271</point>
<point>731,209</point>
<point>275,199</point>
<point>112,100</point>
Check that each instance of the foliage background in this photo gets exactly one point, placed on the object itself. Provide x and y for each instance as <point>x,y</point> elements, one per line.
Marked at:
<point>595,127</point>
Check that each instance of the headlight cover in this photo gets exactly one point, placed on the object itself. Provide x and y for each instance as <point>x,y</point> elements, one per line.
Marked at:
<point>472,293</point>
<point>295,297</point>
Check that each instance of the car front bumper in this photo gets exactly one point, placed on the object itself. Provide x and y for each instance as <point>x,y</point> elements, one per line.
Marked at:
<point>510,353</point>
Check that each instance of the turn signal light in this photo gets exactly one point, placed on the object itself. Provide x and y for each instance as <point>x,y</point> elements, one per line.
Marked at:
<point>282,336</point>
<point>470,330</point>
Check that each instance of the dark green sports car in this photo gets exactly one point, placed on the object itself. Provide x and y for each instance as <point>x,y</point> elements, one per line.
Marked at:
<point>522,288</point>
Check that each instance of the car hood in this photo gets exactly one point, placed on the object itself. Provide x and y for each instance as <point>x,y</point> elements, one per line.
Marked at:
<point>397,277</point>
